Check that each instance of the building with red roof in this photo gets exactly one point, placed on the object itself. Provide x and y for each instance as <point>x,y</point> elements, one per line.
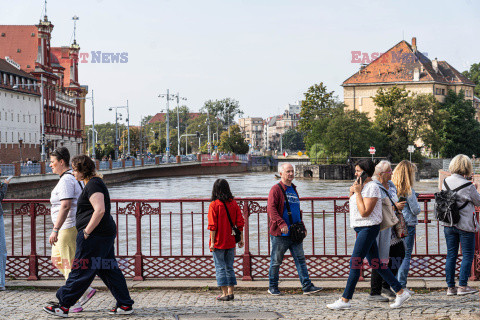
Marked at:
<point>405,66</point>
<point>63,113</point>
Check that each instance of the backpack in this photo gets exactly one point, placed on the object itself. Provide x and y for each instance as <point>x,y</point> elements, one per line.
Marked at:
<point>446,209</point>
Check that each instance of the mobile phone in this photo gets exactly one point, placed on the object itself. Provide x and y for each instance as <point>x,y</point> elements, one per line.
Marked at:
<point>401,199</point>
<point>362,178</point>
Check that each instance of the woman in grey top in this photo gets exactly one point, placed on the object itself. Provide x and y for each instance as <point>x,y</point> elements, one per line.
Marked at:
<point>464,231</point>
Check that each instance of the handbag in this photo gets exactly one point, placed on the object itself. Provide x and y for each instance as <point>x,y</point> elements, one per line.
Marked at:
<point>400,228</point>
<point>235,232</point>
<point>297,230</point>
<point>389,218</point>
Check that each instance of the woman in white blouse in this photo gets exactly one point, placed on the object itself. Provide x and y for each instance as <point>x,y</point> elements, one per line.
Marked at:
<point>365,219</point>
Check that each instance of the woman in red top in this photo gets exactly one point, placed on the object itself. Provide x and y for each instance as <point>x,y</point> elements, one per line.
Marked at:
<point>222,242</point>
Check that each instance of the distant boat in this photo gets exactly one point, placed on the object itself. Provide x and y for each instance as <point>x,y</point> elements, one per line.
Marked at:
<point>277,176</point>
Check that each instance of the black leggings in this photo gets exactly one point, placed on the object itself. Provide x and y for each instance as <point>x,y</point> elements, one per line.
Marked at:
<point>397,253</point>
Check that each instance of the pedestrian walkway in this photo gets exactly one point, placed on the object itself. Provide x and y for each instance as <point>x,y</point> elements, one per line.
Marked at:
<point>251,302</point>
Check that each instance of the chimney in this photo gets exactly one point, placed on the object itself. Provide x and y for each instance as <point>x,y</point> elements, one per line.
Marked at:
<point>414,44</point>
<point>435,65</point>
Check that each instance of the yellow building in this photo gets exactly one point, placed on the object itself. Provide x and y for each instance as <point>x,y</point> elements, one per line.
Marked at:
<point>403,66</point>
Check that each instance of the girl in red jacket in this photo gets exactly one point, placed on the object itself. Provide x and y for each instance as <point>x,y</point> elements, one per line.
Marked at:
<point>222,241</point>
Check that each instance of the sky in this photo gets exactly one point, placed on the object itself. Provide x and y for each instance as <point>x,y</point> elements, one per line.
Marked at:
<point>263,53</point>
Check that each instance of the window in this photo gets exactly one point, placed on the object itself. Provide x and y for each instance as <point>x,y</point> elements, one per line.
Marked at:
<point>443,91</point>
<point>12,116</point>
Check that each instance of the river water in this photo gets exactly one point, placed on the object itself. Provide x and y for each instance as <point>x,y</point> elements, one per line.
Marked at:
<point>242,185</point>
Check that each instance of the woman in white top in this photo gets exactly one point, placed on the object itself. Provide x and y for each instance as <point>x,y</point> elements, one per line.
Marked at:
<point>63,210</point>
<point>365,219</point>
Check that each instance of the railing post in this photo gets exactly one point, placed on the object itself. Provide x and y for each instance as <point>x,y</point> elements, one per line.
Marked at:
<point>179,160</point>
<point>18,169</point>
<point>42,167</point>
<point>138,254</point>
<point>143,161</point>
<point>97,165</point>
<point>123,163</point>
<point>157,160</point>
<point>476,257</point>
<point>110,164</point>
<point>32,261</point>
<point>247,257</point>
<point>133,162</point>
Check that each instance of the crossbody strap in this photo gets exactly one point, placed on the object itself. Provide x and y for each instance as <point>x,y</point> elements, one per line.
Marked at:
<point>391,200</point>
<point>228,214</point>
<point>288,204</point>
<point>79,183</point>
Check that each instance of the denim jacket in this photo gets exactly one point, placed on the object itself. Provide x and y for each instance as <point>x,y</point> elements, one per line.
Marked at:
<point>3,191</point>
<point>411,209</point>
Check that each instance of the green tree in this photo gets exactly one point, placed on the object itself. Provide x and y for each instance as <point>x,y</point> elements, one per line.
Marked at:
<point>351,132</point>
<point>317,153</point>
<point>223,111</point>
<point>293,140</point>
<point>460,130</point>
<point>233,143</point>
<point>474,75</point>
<point>405,119</point>
<point>318,104</point>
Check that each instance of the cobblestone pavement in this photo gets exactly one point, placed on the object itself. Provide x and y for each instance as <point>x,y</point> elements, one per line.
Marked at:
<point>169,304</point>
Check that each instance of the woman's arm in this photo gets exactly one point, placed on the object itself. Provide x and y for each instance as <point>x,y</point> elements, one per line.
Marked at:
<point>98,203</point>
<point>365,205</point>
<point>65,206</point>
<point>413,204</point>
<point>3,190</point>
<point>212,240</point>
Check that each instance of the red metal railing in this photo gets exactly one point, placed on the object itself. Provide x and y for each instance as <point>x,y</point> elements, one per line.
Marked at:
<point>168,238</point>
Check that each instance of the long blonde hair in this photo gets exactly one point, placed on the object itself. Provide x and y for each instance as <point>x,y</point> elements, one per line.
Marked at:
<point>403,177</point>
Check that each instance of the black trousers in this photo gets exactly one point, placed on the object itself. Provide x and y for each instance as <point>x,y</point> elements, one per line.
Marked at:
<point>94,256</point>
<point>397,253</point>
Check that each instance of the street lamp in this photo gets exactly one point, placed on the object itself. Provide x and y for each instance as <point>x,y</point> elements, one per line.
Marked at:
<point>128,123</point>
<point>116,129</point>
<point>94,139</point>
<point>20,142</point>
<point>177,96</point>
<point>167,148</point>
<point>42,140</point>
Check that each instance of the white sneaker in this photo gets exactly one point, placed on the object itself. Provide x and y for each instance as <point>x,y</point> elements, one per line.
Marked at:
<point>339,304</point>
<point>409,291</point>
<point>400,299</point>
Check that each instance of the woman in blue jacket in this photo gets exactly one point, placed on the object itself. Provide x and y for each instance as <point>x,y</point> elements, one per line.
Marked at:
<point>403,178</point>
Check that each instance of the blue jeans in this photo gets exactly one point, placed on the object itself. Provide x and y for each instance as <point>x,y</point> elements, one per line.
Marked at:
<point>453,237</point>
<point>223,259</point>
<point>3,252</point>
<point>280,245</point>
<point>366,246</point>
<point>409,241</point>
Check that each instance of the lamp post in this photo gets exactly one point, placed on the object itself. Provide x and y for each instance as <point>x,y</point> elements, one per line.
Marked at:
<point>94,138</point>
<point>116,129</point>
<point>128,124</point>
<point>167,148</point>
<point>177,96</point>
<point>42,122</point>
<point>20,142</point>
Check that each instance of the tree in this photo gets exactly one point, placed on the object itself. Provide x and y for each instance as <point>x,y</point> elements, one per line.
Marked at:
<point>293,140</point>
<point>461,132</point>
<point>233,143</point>
<point>474,75</point>
<point>318,104</point>
<point>224,110</point>
<point>405,119</point>
<point>351,132</point>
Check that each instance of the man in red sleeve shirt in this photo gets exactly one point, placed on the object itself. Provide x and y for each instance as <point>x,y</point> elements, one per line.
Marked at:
<point>279,224</point>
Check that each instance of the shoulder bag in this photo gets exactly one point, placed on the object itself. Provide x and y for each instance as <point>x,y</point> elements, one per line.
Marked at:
<point>297,230</point>
<point>235,232</point>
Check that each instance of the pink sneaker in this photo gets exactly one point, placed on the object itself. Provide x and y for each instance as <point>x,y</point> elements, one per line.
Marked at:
<point>76,308</point>
<point>87,296</point>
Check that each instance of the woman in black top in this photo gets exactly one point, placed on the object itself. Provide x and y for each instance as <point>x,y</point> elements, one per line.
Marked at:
<point>95,245</point>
